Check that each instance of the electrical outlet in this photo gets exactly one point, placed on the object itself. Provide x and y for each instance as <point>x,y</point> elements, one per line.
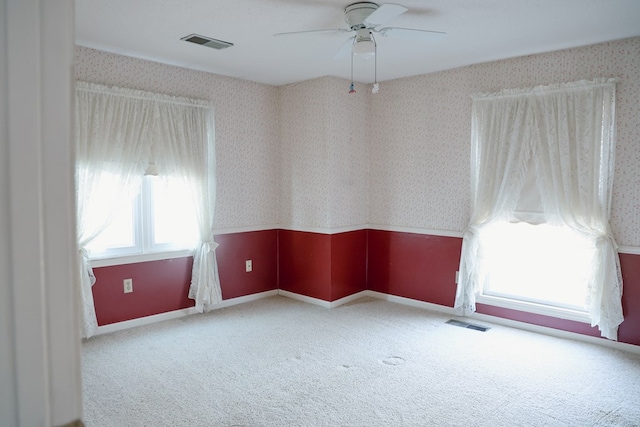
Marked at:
<point>248,265</point>
<point>128,285</point>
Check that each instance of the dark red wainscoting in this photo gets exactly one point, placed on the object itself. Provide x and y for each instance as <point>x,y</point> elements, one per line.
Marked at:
<point>348,263</point>
<point>261,247</point>
<point>304,263</point>
<point>323,266</point>
<point>540,320</point>
<point>328,267</point>
<point>163,286</point>
<point>416,266</point>
<point>629,330</point>
<point>158,287</point>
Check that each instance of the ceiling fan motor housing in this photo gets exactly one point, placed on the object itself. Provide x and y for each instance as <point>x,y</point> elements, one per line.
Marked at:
<point>356,13</point>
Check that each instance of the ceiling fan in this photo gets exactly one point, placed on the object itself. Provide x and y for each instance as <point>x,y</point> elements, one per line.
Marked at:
<point>364,19</point>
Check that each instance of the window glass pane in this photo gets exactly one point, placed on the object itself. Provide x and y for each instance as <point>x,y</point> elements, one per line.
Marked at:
<point>121,232</point>
<point>174,220</point>
<point>537,263</point>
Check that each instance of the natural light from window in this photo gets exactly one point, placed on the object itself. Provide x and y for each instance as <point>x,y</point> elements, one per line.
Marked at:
<point>160,218</point>
<point>174,221</point>
<point>539,264</point>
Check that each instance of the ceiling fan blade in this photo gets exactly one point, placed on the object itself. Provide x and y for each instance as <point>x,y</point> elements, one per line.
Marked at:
<point>411,34</point>
<point>333,30</point>
<point>385,13</point>
<point>345,50</point>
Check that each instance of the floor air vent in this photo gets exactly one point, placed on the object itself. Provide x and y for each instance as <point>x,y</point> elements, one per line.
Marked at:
<point>468,325</point>
<point>207,41</point>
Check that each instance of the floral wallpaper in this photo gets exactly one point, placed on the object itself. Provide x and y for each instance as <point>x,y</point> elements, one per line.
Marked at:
<point>311,155</point>
<point>324,167</point>
<point>247,141</point>
<point>420,135</point>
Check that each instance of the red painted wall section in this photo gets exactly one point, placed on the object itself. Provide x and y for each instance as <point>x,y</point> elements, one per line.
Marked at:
<point>323,266</point>
<point>629,330</point>
<point>261,247</point>
<point>158,287</point>
<point>328,267</point>
<point>348,263</point>
<point>540,320</point>
<point>304,263</point>
<point>163,286</point>
<point>416,266</point>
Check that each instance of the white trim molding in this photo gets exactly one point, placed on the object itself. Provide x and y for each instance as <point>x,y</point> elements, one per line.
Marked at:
<point>176,314</point>
<point>632,250</point>
<point>380,227</point>
<point>529,307</point>
<point>321,230</point>
<point>134,259</point>
<point>304,298</point>
<point>449,311</point>
<point>245,229</point>
<point>559,333</point>
<point>40,354</point>
<point>417,230</point>
<point>508,322</point>
<point>412,303</point>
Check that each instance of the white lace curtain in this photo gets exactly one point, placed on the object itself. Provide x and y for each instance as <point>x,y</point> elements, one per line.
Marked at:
<point>194,164</point>
<point>118,133</point>
<point>567,133</point>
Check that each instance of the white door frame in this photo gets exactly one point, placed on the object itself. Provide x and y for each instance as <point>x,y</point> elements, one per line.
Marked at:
<point>40,379</point>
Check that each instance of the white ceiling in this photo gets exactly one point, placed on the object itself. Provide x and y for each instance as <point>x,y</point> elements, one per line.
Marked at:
<point>477,31</point>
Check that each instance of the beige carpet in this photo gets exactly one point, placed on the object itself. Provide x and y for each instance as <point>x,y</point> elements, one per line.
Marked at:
<point>279,362</point>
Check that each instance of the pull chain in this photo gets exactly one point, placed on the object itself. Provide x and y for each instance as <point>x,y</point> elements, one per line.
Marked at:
<point>376,86</point>
<point>352,88</point>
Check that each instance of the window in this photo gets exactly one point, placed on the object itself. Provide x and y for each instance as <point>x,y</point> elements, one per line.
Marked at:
<point>537,268</point>
<point>533,266</point>
<point>160,217</point>
<point>560,140</point>
<point>119,134</point>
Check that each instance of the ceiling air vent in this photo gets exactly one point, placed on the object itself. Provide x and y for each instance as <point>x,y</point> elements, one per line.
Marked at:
<point>207,41</point>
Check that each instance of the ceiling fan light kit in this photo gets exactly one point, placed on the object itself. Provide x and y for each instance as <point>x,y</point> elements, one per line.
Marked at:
<point>364,45</point>
<point>364,19</point>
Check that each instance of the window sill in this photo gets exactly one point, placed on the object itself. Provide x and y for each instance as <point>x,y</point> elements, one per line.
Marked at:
<point>529,307</point>
<point>133,259</point>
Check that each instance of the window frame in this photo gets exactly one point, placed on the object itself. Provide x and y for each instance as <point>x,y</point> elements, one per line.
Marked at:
<point>144,249</point>
<point>532,305</point>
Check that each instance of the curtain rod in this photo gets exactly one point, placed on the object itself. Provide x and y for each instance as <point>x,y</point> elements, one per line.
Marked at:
<point>554,87</point>
<point>142,95</point>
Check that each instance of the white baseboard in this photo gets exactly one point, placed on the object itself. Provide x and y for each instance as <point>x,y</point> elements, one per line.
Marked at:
<point>348,299</point>
<point>176,314</point>
<point>141,321</point>
<point>476,316</point>
<point>412,303</point>
<point>321,302</point>
<point>556,332</point>
<point>508,322</point>
<point>247,298</point>
<point>304,298</point>
<point>378,295</point>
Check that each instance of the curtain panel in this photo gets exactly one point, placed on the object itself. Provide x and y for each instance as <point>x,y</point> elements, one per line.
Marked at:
<point>567,133</point>
<point>119,134</point>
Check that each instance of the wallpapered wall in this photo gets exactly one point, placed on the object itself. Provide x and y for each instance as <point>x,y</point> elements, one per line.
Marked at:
<point>310,155</point>
<point>325,154</point>
<point>247,141</point>
<point>420,133</point>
